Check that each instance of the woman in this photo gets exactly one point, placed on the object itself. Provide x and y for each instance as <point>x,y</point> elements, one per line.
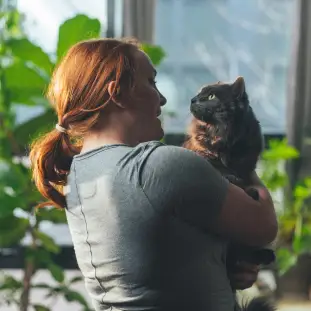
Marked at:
<point>149,222</point>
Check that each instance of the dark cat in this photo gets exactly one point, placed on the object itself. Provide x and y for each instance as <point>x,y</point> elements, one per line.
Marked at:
<point>225,131</point>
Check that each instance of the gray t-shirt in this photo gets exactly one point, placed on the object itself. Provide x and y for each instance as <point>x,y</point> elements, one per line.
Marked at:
<point>139,219</point>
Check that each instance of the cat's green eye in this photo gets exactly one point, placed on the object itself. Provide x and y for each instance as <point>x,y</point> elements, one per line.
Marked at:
<point>211,96</point>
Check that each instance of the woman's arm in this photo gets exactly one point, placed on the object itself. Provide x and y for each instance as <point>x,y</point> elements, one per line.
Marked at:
<point>260,214</point>
<point>246,220</point>
<point>177,180</point>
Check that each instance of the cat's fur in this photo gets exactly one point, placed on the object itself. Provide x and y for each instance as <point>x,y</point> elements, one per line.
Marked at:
<point>225,131</point>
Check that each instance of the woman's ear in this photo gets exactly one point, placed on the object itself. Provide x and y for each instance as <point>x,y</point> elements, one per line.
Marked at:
<point>114,93</point>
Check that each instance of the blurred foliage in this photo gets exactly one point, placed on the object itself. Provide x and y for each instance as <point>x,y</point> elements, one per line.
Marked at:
<point>294,238</point>
<point>273,161</point>
<point>155,53</point>
<point>25,72</point>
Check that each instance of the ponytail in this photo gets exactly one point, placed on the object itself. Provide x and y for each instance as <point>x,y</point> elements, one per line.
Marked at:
<point>51,157</point>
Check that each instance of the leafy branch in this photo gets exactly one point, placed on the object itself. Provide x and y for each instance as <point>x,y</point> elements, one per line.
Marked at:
<point>294,215</point>
<point>25,71</point>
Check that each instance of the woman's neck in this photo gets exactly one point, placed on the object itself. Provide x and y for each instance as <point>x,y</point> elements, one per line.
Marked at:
<point>96,140</point>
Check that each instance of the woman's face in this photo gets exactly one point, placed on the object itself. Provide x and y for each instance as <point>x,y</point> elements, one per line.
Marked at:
<point>146,101</point>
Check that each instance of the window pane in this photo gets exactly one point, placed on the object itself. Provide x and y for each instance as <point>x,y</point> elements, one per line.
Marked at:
<point>211,40</point>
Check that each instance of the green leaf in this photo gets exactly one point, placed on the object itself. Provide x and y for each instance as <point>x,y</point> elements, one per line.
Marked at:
<point>8,203</point>
<point>285,260</point>
<point>41,308</point>
<point>280,150</point>
<point>307,182</point>
<point>9,282</point>
<point>41,286</point>
<point>301,192</point>
<point>54,215</point>
<point>47,242</point>
<point>56,272</point>
<point>14,182</point>
<point>24,84</point>
<point>297,244</point>
<point>306,242</point>
<point>13,21</point>
<point>75,296</point>
<point>13,175</point>
<point>76,29</point>
<point>273,179</point>
<point>55,291</point>
<point>12,230</point>
<point>28,51</point>
<point>5,148</point>
<point>25,132</point>
<point>155,53</point>
<point>40,256</point>
<point>76,279</point>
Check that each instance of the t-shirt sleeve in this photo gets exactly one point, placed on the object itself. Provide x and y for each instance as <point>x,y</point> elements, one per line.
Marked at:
<point>179,181</point>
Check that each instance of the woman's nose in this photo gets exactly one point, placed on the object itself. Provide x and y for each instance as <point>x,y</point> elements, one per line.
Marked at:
<point>162,100</point>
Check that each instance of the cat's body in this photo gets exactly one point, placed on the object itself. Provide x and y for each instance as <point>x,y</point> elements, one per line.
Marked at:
<point>226,132</point>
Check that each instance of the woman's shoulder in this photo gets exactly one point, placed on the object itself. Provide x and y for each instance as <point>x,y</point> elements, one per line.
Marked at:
<point>158,154</point>
<point>158,160</point>
<point>159,151</point>
<point>165,162</point>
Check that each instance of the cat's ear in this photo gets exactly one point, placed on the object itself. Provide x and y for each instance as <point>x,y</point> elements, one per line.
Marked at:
<point>238,87</point>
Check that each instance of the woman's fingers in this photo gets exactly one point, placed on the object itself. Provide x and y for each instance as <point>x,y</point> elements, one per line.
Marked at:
<point>244,276</point>
<point>243,281</point>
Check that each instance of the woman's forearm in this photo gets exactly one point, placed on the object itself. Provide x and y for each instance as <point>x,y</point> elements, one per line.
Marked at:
<point>264,196</point>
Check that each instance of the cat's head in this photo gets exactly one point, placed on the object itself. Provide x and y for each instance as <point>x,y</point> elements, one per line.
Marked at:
<point>219,101</point>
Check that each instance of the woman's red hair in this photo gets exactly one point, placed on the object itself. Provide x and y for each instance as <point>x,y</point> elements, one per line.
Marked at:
<point>79,91</point>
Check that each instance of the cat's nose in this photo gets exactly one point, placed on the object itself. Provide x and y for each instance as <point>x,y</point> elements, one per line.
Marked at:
<point>194,99</point>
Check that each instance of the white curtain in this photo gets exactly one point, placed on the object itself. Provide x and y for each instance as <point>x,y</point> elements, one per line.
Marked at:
<point>138,19</point>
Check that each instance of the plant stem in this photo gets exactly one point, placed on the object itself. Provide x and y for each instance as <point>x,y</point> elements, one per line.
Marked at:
<point>28,274</point>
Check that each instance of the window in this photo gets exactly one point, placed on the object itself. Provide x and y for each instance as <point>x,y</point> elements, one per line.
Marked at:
<point>213,40</point>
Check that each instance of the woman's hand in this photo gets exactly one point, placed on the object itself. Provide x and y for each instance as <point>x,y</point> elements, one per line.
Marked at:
<point>243,276</point>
